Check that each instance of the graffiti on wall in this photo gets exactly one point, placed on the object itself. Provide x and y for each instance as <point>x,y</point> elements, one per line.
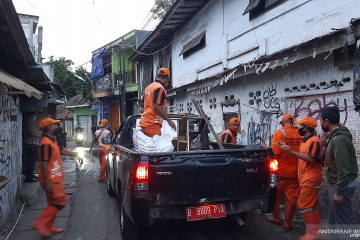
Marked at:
<point>260,132</point>
<point>10,154</point>
<point>312,107</point>
<point>268,98</point>
<point>5,108</point>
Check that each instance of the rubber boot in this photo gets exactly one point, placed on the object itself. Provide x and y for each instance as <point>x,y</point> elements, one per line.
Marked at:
<point>52,228</point>
<point>289,213</point>
<point>42,224</point>
<point>311,218</point>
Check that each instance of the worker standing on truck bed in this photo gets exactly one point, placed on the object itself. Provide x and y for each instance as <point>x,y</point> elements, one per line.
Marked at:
<point>155,104</point>
<point>230,134</point>
<point>288,171</point>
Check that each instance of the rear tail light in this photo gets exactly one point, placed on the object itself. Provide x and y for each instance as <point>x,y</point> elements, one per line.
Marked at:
<point>273,165</point>
<point>274,172</point>
<point>142,172</point>
<point>141,180</point>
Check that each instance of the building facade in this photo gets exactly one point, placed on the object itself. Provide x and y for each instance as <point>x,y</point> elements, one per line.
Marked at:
<point>115,79</point>
<point>19,73</point>
<point>257,60</point>
<point>271,60</point>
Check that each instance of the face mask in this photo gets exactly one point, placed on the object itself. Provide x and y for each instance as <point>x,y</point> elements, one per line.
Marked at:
<point>58,131</point>
<point>34,118</point>
<point>302,131</point>
<point>234,129</point>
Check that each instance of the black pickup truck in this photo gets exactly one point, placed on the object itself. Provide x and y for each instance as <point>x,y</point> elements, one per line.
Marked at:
<point>189,185</point>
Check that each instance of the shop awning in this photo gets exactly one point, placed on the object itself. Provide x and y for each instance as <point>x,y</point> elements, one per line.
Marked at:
<point>14,82</point>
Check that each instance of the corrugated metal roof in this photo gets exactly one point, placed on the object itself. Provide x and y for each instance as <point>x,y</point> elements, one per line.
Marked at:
<point>179,14</point>
<point>14,82</point>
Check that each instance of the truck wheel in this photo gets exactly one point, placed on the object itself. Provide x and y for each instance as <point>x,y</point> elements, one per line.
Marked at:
<point>128,229</point>
<point>109,189</point>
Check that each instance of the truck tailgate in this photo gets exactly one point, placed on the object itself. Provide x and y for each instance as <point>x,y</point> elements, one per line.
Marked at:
<point>207,177</point>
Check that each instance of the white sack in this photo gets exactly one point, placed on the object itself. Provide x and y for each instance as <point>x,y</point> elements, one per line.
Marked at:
<point>145,144</point>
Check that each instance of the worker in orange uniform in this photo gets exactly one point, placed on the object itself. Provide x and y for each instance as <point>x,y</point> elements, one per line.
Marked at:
<point>103,148</point>
<point>310,174</point>
<point>230,134</point>
<point>51,177</point>
<point>155,104</point>
<point>288,166</point>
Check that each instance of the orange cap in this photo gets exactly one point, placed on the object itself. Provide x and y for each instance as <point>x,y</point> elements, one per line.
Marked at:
<point>235,121</point>
<point>308,121</point>
<point>104,122</point>
<point>47,121</point>
<point>287,118</point>
<point>164,71</point>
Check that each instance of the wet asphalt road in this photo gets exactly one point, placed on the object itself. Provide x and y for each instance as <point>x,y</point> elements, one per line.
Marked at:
<point>95,216</point>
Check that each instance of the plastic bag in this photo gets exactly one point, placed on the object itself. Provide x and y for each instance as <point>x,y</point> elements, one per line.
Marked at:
<point>145,144</point>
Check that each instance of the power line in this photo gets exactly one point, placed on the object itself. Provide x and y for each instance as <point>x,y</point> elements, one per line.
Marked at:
<point>97,17</point>
<point>34,7</point>
<point>130,44</point>
<point>148,54</point>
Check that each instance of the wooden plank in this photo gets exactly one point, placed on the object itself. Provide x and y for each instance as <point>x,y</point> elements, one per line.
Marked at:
<point>201,112</point>
<point>185,116</point>
<point>3,181</point>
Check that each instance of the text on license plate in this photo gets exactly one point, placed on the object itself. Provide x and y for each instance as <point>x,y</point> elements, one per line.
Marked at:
<point>205,212</point>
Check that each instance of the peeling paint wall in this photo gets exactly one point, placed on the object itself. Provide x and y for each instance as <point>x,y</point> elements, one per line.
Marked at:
<point>301,89</point>
<point>10,152</point>
<point>233,39</point>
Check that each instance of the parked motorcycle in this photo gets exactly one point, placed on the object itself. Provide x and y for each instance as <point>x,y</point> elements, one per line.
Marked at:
<point>79,137</point>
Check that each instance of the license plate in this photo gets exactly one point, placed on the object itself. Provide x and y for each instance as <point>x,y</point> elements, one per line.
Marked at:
<point>205,212</point>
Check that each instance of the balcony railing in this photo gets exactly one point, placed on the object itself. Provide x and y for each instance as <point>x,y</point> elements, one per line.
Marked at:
<point>130,77</point>
<point>102,83</point>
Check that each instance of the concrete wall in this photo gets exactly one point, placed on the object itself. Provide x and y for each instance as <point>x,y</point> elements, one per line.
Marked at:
<point>233,39</point>
<point>10,152</point>
<point>263,98</point>
<point>29,24</point>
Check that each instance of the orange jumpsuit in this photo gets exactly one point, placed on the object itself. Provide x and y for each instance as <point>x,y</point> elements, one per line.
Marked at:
<point>310,178</point>
<point>288,176</point>
<point>49,151</point>
<point>150,122</point>
<point>228,136</point>
<point>103,149</point>
<point>310,174</point>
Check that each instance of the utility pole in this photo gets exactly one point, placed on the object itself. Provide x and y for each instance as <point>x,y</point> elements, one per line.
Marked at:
<point>123,94</point>
<point>121,83</point>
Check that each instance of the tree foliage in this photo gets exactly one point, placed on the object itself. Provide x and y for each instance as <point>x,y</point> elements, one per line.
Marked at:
<point>161,7</point>
<point>85,86</point>
<point>72,83</point>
